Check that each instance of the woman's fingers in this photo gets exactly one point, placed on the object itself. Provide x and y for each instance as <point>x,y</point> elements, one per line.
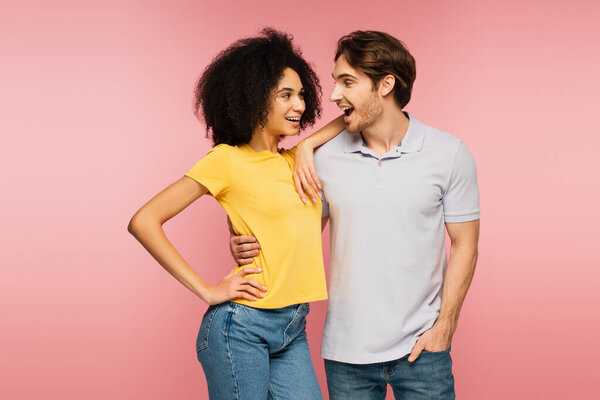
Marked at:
<point>255,284</point>
<point>246,271</point>
<point>246,296</point>
<point>309,179</point>
<point>248,292</point>
<point>313,174</point>
<point>308,188</point>
<point>298,186</point>
<point>248,288</point>
<point>304,170</point>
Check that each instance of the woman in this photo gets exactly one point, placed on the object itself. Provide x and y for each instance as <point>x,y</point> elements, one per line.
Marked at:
<point>252,340</point>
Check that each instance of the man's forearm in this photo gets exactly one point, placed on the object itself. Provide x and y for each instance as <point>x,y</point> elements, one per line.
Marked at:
<point>459,274</point>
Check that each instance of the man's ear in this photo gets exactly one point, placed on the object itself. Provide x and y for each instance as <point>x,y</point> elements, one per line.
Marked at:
<point>386,85</point>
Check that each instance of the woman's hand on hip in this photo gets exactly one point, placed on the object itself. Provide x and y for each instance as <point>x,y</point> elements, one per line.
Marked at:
<point>236,286</point>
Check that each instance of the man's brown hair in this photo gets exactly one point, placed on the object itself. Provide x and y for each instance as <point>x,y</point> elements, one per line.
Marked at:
<point>378,54</point>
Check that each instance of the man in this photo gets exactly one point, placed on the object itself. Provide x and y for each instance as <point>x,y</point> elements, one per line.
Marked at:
<point>392,185</point>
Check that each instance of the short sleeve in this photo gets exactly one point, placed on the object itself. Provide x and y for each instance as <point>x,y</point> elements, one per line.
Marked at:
<point>461,199</point>
<point>213,170</point>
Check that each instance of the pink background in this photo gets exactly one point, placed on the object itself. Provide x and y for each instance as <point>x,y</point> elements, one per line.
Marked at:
<point>96,117</point>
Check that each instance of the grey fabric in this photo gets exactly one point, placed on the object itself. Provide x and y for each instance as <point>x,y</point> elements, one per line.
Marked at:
<point>387,229</point>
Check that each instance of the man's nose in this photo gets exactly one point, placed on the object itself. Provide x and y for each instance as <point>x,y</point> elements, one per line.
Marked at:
<point>335,94</point>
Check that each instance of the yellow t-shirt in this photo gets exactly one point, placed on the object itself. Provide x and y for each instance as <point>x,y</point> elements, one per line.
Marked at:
<point>257,192</point>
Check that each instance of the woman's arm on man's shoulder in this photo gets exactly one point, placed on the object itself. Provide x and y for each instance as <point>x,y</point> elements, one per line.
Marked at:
<point>305,177</point>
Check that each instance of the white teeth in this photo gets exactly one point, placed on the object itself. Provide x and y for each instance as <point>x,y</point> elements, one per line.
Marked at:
<point>293,118</point>
<point>347,110</point>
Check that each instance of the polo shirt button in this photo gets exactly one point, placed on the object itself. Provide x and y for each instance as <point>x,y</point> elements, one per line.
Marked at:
<point>379,163</point>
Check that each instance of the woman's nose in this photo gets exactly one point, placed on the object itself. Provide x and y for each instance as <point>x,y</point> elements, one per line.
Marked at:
<point>299,105</point>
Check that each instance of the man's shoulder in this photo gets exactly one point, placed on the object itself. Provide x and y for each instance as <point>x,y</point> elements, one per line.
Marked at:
<point>335,145</point>
<point>437,136</point>
<point>437,140</point>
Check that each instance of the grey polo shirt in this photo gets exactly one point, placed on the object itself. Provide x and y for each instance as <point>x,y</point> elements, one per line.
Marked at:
<point>387,229</point>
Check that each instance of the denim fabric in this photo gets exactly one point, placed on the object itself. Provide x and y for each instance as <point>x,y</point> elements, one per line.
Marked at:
<point>428,378</point>
<point>254,353</point>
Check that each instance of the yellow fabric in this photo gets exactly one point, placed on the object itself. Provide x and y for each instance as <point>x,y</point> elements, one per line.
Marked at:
<point>257,192</point>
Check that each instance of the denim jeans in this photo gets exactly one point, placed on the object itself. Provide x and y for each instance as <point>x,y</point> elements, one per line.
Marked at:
<point>253,353</point>
<point>429,377</point>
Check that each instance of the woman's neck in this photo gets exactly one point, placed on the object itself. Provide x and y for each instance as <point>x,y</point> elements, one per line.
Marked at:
<point>262,140</point>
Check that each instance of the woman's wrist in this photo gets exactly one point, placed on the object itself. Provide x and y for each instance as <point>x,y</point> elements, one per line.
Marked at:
<point>307,143</point>
<point>203,291</point>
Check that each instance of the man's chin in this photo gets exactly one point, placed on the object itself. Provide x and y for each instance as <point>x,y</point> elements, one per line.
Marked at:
<point>352,129</point>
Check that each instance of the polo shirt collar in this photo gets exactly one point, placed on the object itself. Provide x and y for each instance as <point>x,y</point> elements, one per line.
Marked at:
<point>412,142</point>
<point>354,143</point>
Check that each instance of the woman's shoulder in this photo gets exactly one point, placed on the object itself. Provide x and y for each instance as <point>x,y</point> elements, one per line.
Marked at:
<point>222,148</point>
<point>221,151</point>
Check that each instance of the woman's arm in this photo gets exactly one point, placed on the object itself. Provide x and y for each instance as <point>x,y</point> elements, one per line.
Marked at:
<point>305,177</point>
<point>146,227</point>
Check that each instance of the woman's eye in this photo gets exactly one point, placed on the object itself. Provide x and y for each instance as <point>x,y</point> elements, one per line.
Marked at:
<point>301,95</point>
<point>286,96</point>
<point>347,83</point>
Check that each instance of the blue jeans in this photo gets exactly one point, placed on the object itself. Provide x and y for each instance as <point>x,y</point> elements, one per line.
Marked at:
<point>429,377</point>
<point>253,353</point>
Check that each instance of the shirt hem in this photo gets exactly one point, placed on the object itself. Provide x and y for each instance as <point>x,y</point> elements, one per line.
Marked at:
<point>461,218</point>
<point>356,359</point>
<point>204,182</point>
<point>281,304</point>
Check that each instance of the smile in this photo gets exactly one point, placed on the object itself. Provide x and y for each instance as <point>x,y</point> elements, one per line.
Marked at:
<point>347,110</point>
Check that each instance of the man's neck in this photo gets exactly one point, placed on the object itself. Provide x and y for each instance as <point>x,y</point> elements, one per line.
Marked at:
<point>387,132</point>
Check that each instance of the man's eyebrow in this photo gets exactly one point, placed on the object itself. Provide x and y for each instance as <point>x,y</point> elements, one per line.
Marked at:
<point>344,75</point>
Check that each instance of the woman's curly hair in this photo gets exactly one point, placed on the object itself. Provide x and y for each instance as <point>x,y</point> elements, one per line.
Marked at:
<point>234,93</point>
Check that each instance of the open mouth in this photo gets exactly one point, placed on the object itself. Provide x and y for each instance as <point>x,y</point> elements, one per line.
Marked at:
<point>347,110</point>
<point>294,120</point>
